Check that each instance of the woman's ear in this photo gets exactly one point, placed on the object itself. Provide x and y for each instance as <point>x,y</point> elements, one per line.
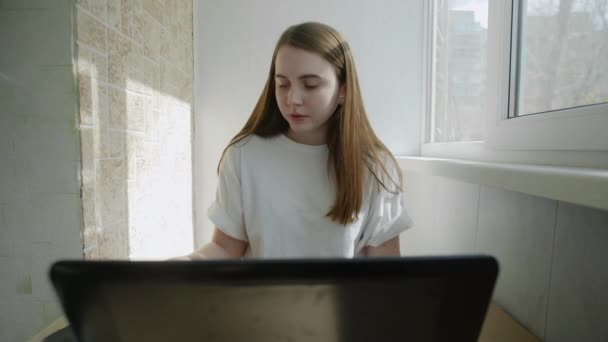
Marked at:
<point>342,94</point>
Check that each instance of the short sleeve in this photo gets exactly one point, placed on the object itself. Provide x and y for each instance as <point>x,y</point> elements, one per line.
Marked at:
<point>387,216</point>
<point>226,212</point>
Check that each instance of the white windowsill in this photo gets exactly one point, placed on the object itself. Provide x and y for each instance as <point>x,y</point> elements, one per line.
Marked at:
<point>584,186</point>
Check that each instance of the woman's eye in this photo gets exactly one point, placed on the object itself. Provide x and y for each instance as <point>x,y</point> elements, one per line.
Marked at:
<point>310,86</point>
<point>283,85</point>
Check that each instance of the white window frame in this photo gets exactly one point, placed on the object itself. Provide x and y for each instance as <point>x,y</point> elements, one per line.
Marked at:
<point>569,137</point>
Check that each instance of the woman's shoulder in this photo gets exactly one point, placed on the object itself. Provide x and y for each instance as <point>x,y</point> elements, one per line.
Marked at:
<point>250,147</point>
<point>385,172</point>
<point>252,141</point>
<point>241,143</point>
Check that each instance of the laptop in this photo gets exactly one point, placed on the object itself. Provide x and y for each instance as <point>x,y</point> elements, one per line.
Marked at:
<point>363,299</point>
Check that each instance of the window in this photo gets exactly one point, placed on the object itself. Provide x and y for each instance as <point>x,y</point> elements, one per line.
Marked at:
<point>458,70</point>
<point>516,75</point>
<point>563,56</point>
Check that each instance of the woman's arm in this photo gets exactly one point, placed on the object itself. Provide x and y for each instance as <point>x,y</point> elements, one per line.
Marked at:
<point>389,248</point>
<point>221,246</point>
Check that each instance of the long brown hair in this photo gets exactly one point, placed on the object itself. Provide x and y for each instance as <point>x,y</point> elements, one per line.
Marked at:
<point>353,145</point>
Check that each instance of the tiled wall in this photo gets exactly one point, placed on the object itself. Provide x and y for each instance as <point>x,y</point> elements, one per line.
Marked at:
<point>553,256</point>
<point>135,91</point>
<point>125,91</point>
<point>40,207</point>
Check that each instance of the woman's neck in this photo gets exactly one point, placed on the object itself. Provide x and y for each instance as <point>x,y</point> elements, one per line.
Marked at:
<point>314,138</point>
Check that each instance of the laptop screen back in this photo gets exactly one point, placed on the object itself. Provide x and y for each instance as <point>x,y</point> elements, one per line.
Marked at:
<point>421,299</point>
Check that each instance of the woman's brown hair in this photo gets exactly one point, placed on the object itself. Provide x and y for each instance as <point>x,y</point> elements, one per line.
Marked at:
<point>353,146</point>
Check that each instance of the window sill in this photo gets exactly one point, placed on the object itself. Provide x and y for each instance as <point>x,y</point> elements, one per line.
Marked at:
<point>584,186</point>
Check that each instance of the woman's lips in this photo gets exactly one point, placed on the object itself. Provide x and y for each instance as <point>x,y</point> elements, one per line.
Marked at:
<point>297,116</point>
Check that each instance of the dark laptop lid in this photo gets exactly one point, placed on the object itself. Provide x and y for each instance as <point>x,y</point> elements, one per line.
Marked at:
<point>367,299</point>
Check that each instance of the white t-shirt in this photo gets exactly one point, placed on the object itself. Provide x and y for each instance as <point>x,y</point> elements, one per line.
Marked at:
<point>275,194</point>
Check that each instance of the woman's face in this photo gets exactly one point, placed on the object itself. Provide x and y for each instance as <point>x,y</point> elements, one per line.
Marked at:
<point>307,91</point>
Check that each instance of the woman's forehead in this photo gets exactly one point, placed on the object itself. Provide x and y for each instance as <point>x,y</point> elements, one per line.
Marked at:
<point>295,62</point>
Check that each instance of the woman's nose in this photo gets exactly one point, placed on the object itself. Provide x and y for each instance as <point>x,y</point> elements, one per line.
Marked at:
<point>294,97</point>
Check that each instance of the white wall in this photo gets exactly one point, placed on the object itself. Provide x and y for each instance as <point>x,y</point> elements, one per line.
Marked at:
<point>234,42</point>
<point>553,257</point>
<point>40,207</point>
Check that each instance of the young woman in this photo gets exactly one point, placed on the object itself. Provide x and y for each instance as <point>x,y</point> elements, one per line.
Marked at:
<point>306,176</point>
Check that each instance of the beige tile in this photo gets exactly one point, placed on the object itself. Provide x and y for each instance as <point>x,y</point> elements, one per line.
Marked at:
<point>93,110</point>
<point>118,108</point>
<point>138,5</point>
<point>147,77</point>
<point>168,75</point>
<point>177,53</point>
<point>102,141</point>
<point>87,146</point>
<point>102,135</point>
<point>111,185</point>
<point>165,45</point>
<point>118,43</point>
<point>132,168</point>
<point>180,53</point>
<point>184,59</point>
<point>89,234</point>
<point>189,67</point>
<point>155,9</point>
<point>138,142</point>
<point>89,31</point>
<point>91,64</point>
<point>136,109</point>
<point>119,55</point>
<point>114,14</point>
<point>84,3</point>
<point>171,11</point>
<point>100,102</point>
<point>185,20</point>
<point>153,152</point>
<point>113,242</point>
<point>168,89</point>
<point>126,17</point>
<point>166,103</point>
<point>138,25</point>
<point>151,38</point>
<point>578,303</point>
<point>174,31</point>
<point>147,166</point>
<point>149,105</point>
<point>91,253</point>
<point>89,215</point>
<point>117,144</point>
<point>143,171</point>
<point>118,70</point>
<point>98,9</point>
<point>186,90</point>
<point>188,6</point>
<point>152,76</point>
<point>137,70</point>
<point>134,150</point>
<point>85,101</point>
<point>152,127</point>
<point>518,230</point>
<point>156,99</point>
<point>92,99</point>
